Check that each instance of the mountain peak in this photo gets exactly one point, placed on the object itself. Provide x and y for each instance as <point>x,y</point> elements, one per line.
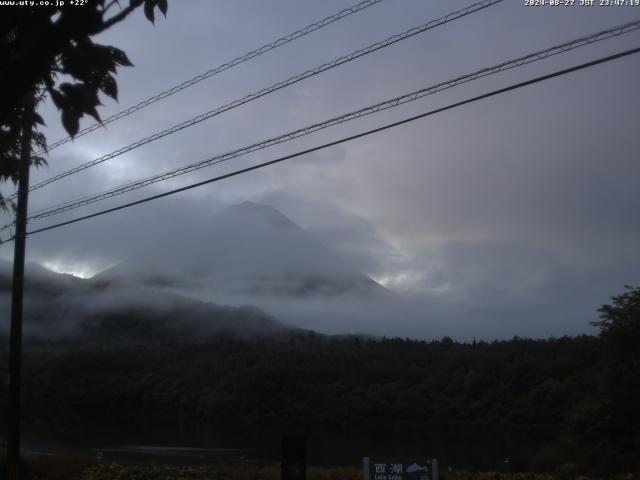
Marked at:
<point>259,211</point>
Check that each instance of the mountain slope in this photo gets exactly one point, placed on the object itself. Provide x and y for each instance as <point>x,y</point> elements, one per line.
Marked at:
<point>252,254</point>
<point>60,306</point>
<point>248,249</point>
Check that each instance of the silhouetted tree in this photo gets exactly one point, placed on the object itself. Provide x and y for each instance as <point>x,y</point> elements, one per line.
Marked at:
<point>620,330</point>
<point>48,50</point>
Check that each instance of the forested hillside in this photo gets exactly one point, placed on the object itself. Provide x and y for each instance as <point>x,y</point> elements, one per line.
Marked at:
<point>586,389</point>
<point>558,384</point>
<point>515,382</point>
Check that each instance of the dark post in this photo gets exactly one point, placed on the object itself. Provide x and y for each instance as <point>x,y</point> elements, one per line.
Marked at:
<point>15,345</point>
<point>294,457</point>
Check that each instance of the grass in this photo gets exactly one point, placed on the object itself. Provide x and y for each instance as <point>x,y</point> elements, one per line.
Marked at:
<point>72,468</point>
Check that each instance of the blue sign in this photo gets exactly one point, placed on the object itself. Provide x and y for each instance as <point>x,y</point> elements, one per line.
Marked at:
<point>400,469</point>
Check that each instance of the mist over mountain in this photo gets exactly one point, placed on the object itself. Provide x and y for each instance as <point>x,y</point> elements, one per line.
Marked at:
<point>252,254</point>
<point>250,249</point>
<point>248,271</point>
<point>61,307</point>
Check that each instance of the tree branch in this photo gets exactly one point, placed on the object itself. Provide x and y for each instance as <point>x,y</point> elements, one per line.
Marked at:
<point>111,4</point>
<point>119,17</point>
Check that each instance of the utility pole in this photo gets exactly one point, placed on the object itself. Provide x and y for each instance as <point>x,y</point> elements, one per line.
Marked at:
<point>15,342</point>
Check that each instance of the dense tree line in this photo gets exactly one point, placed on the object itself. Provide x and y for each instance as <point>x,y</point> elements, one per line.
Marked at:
<point>587,388</point>
<point>514,382</point>
<point>555,383</point>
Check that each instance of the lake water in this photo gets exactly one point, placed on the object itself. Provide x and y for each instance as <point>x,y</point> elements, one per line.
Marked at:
<point>328,443</point>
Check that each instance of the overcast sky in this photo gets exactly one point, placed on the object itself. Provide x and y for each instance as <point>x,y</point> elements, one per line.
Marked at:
<point>518,213</point>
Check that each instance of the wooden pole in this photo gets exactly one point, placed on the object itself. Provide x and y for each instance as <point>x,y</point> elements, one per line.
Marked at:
<point>15,342</point>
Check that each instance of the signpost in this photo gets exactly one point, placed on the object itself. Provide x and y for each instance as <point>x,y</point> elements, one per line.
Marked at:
<point>294,457</point>
<point>400,469</point>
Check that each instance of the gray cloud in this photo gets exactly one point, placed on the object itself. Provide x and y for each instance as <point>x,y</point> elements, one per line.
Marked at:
<point>515,215</point>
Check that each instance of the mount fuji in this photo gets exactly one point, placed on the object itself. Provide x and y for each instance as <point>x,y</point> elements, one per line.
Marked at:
<point>252,254</point>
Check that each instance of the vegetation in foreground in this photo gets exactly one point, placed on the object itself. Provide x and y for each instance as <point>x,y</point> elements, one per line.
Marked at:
<point>588,388</point>
<point>74,469</point>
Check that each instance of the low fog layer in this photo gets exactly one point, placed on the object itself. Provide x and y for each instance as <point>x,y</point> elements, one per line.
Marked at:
<point>246,249</point>
<point>252,254</point>
<point>64,307</point>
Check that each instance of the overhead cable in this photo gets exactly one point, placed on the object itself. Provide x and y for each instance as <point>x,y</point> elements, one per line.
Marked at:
<point>387,104</point>
<point>277,86</point>
<point>342,140</point>
<point>220,68</point>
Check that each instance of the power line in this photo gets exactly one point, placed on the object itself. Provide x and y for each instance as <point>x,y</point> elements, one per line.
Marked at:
<point>387,104</point>
<point>343,140</point>
<point>277,86</point>
<point>221,68</point>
